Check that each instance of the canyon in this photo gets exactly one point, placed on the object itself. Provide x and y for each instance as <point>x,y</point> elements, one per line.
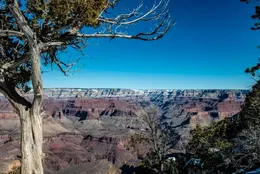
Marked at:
<point>92,126</point>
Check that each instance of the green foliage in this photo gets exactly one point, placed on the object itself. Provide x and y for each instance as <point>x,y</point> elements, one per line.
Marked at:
<point>12,48</point>
<point>76,13</point>
<point>56,20</point>
<point>208,144</point>
<point>51,20</point>
<point>253,70</point>
<point>233,143</point>
<point>56,25</point>
<point>157,165</point>
<point>250,114</point>
<point>255,16</point>
<point>65,13</point>
<point>214,136</point>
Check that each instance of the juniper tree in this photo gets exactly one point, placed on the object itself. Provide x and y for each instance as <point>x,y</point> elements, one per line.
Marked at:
<point>34,32</point>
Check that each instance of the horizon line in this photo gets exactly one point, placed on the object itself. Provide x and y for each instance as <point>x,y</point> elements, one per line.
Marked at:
<point>147,88</point>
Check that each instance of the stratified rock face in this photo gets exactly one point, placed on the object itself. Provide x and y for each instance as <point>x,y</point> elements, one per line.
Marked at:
<point>95,103</point>
<point>88,125</point>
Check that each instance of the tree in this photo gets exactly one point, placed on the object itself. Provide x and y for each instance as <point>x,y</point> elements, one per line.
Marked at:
<point>232,144</point>
<point>256,16</point>
<point>210,143</point>
<point>160,139</point>
<point>250,114</point>
<point>245,154</point>
<point>36,31</point>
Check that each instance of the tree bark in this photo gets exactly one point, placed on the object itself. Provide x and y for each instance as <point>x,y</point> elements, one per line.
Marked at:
<point>31,121</point>
<point>31,141</point>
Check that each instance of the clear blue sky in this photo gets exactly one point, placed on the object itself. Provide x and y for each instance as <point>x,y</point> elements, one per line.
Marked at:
<point>209,48</point>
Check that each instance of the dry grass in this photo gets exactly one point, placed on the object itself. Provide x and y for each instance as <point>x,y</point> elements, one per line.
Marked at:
<point>16,170</point>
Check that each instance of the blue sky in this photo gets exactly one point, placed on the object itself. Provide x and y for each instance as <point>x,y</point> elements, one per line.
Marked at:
<point>209,48</point>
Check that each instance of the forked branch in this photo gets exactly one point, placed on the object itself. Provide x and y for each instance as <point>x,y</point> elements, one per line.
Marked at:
<point>65,68</point>
<point>157,13</point>
<point>156,33</point>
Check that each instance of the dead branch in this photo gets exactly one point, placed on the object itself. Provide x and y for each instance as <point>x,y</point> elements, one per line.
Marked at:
<point>48,44</point>
<point>140,36</point>
<point>158,12</point>
<point>9,33</point>
<point>65,68</point>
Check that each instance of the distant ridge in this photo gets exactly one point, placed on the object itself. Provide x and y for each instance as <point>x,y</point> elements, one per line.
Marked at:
<point>146,93</point>
<point>238,94</point>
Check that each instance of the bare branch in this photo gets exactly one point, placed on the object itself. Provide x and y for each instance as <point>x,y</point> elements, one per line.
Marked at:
<point>8,33</point>
<point>119,18</point>
<point>20,19</point>
<point>48,44</point>
<point>140,36</point>
<point>64,67</point>
<point>154,13</point>
<point>158,12</point>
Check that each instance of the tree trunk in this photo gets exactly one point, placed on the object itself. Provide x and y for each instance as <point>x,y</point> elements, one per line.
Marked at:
<point>31,121</point>
<point>31,141</point>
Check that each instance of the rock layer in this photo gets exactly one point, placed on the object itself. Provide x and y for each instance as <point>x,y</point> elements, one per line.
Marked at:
<point>82,126</point>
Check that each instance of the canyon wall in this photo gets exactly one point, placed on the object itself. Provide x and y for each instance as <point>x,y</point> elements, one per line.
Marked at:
<point>82,126</point>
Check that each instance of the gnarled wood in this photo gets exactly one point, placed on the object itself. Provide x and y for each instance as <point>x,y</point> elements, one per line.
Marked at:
<point>31,141</point>
<point>31,121</point>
